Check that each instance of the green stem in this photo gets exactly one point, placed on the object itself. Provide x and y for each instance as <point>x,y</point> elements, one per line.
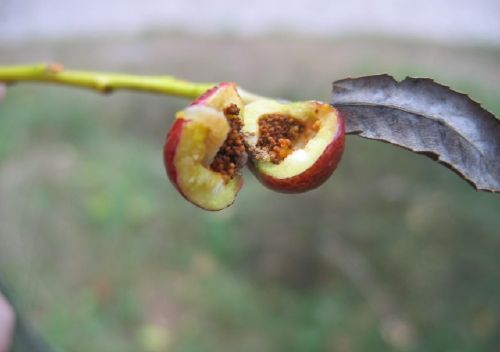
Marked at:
<point>107,82</point>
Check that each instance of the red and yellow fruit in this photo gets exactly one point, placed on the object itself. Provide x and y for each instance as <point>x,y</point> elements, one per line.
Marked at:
<point>294,147</point>
<point>204,150</point>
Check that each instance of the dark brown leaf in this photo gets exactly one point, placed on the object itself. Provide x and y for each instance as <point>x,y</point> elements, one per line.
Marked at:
<point>427,118</point>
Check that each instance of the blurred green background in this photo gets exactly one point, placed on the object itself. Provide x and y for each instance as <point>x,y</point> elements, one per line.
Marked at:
<point>394,253</point>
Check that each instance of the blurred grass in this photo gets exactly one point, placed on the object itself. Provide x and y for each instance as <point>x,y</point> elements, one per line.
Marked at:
<point>104,255</point>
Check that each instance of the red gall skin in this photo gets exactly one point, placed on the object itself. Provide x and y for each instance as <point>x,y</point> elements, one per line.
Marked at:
<point>316,175</point>
<point>205,96</point>
<point>171,142</point>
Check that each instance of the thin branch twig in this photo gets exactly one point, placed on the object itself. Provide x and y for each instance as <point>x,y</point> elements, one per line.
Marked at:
<point>105,82</point>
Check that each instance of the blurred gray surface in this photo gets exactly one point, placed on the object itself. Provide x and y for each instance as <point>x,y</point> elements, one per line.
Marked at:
<point>456,21</point>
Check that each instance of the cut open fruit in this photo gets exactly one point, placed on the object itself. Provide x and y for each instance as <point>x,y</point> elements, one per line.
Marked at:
<point>293,147</point>
<point>204,149</point>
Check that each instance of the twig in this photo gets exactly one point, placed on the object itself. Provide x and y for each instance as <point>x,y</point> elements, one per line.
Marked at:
<point>105,82</point>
